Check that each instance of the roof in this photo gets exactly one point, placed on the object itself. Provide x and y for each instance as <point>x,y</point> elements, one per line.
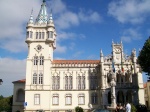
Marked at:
<point>20,81</point>
<point>76,61</point>
<point>145,85</point>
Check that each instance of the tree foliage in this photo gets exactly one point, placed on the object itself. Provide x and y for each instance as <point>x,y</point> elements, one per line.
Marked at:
<point>79,109</point>
<point>144,57</point>
<point>6,104</point>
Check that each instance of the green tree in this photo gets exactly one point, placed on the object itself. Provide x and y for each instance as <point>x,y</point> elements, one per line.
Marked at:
<point>79,109</point>
<point>144,57</point>
<point>133,108</point>
<point>6,104</point>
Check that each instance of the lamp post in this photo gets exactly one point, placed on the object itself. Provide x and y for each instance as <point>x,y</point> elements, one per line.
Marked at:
<point>1,81</point>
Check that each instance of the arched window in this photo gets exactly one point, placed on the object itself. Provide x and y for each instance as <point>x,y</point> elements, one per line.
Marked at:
<point>40,78</point>
<point>79,82</point>
<point>83,82</point>
<point>66,82</point>
<point>70,82</point>
<point>43,35</point>
<point>94,98</point>
<point>93,82</point>
<point>27,35</point>
<point>55,99</point>
<point>50,34</point>
<point>35,60</point>
<point>37,35</point>
<point>41,60</point>
<point>53,82</point>
<point>57,82</point>
<point>20,95</point>
<point>34,78</point>
<point>31,34</point>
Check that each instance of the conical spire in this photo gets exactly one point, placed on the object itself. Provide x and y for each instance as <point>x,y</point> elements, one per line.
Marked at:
<point>50,18</point>
<point>42,16</point>
<point>31,18</point>
<point>101,53</point>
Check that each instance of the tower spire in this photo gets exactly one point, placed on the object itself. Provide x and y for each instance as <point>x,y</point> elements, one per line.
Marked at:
<point>42,16</point>
<point>31,17</point>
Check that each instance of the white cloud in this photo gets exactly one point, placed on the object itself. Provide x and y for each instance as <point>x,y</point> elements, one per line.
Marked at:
<point>60,49</point>
<point>11,70</point>
<point>89,16</point>
<point>131,34</point>
<point>132,11</point>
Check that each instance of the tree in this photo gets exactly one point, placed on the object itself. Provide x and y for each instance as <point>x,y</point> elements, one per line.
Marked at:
<point>144,57</point>
<point>79,109</point>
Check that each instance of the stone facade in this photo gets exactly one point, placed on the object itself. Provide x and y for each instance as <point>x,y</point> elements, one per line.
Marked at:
<point>61,85</point>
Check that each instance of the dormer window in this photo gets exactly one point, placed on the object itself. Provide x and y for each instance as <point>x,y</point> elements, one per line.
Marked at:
<point>50,34</point>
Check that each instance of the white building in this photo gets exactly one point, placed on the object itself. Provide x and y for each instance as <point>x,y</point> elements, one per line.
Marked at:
<point>61,85</point>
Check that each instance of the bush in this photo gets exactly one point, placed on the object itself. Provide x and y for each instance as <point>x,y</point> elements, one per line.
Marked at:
<point>133,108</point>
<point>79,109</point>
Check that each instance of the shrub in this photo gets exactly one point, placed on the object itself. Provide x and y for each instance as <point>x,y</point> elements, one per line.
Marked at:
<point>79,109</point>
<point>133,108</point>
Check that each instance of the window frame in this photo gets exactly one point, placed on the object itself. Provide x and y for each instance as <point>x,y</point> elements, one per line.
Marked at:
<point>36,97</point>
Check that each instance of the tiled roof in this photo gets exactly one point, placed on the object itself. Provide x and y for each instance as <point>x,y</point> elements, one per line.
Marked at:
<point>20,81</point>
<point>144,85</point>
<point>76,61</point>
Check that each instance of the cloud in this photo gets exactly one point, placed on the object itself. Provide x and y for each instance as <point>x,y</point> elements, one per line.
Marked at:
<point>89,16</point>
<point>60,49</point>
<point>129,11</point>
<point>131,34</point>
<point>14,16</point>
<point>11,70</point>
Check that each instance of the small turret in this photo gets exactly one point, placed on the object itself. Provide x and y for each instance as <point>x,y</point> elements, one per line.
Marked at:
<point>101,56</point>
<point>30,22</point>
<point>50,21</point>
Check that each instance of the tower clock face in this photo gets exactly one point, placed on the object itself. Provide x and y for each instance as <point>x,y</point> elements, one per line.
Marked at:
<point>38,47</point>
<point>117,50</point>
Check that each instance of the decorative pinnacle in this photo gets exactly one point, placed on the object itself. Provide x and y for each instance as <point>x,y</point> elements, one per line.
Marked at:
<point>101,53</point>
<point>44,1</point>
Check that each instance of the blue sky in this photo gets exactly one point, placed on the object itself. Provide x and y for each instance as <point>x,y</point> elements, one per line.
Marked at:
<point>83,28</point>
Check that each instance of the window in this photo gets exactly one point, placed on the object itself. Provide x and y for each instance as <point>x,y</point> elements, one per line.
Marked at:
<point>70,82</point>
<point>55,82</point>
<point>27,34</point>
<point>40,78</point>
<point>35,60</point>
<point>55,99</point>
<point>66,82</point>
<point>50,34</point>
<point>34,78</point>
<point>81,82</point>
<point>41,60</point>
<point>68,99</point>
<point>93,82</point>
<point>81,99</point>
<point>36,99</point>
<point>20,95</point>
<point>37,35</point>
<point>43,35</point>
<point>94,98</point>
<point>31,34</point>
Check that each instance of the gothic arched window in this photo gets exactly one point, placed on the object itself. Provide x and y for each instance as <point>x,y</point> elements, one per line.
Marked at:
<point>35,60</point>
<point>70,82</point>
<point>79,82</point>
<point>41,60</point>
<point>94,98</point>
<point>34,78</point>
<point>40,78</point>
<point>66,82</point>
<point>58,81</point>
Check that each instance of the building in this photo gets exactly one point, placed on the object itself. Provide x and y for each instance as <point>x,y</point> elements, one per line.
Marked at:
<point>147,94</point>
<point>61,85</point>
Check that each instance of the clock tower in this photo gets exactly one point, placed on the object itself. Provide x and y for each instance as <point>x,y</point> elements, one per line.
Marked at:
<point>41,41</point>
<point>117,52</point>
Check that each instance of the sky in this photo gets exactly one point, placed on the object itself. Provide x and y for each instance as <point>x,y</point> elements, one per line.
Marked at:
<point>83,28</point>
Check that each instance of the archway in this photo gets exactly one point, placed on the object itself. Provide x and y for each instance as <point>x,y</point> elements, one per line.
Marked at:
<point>20,96</point>
<point>129,96</point>
<point>120,97</point>
<point>109,97</point>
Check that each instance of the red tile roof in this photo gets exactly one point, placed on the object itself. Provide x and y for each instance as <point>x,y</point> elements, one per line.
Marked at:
<point>144,85</point>
<point>76,61</point>
<point>20,81</point>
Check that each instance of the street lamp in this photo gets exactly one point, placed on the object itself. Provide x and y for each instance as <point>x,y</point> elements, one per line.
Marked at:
<point>1,81</point>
